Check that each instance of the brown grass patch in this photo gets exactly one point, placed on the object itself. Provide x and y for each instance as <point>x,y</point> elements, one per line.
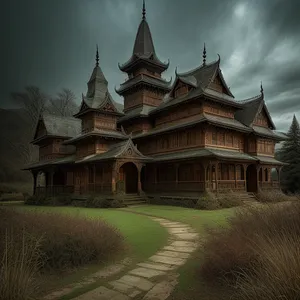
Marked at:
<point>258,254</point>
<point>44,243</point>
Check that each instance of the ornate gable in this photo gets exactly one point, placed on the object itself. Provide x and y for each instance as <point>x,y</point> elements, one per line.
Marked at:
<point>180,88</point>
<point>129,150</point>
<point>218,84</point>
<point>263,118</point>
<point>107,105</point>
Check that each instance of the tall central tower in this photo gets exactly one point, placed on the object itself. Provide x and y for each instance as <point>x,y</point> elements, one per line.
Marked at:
<point>144,89</point>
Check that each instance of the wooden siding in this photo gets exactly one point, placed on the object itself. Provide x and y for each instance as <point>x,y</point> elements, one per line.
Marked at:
<point>261,119</point>
<point>218,110</point>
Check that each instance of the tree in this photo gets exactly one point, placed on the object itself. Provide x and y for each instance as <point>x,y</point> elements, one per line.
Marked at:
<point>290,153</point>
<point>64,104</point>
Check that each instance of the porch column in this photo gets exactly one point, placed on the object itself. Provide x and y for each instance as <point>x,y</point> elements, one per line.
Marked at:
<point>113,178</point>
<point>217,175</point>
<point>257,177</point>
<point>235,176</point>
<point>205,175</point>
<point>94,174</point>
<point>155,178</point>
<point>34,174</point>
<point>279,172</point>
<point>140,167</point>
<point>245,176</point>
<point>176,175</point>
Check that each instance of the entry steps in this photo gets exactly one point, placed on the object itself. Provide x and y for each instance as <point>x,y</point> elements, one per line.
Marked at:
<point>247,197</point>
<point>133,199</point>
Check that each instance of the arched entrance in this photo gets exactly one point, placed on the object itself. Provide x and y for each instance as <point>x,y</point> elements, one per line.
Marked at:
<point>251,179</point>
<point>130,177</point>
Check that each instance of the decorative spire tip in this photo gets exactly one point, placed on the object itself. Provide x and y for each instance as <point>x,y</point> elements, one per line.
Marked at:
<point>204,55</point>
<point>97,57</point>
<point>261,88</point>
<point>144,10</point>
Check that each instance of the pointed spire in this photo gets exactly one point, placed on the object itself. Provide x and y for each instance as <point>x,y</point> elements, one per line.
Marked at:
<point>261,88</point>
<point>204,55</point>
<point>144,10</point>
<point>97,57</point>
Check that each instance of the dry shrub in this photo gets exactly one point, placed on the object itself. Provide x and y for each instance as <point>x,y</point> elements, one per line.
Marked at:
<point>21,261</point>
<point>208,201</point>
<point>257,252</point>
<point>34,242</point>
<point>229,199</point>
<point>274,196</point>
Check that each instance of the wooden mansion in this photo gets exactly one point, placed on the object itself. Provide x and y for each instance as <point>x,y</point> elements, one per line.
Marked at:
<point>185,136</point>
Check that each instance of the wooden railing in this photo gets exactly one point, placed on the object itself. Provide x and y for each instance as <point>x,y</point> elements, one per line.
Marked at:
<point>226,185</point>
<point>54,190</point>
<point>99,188</point>
<point>193,186</point>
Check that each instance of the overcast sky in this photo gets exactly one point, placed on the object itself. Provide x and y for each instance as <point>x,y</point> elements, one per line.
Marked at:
<point>51,44</point>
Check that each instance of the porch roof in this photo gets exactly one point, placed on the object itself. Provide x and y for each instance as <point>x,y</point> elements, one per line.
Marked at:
<point>57,161</point>
<point>124,149</point>
<point>204,152</point>
<point>270,160</point>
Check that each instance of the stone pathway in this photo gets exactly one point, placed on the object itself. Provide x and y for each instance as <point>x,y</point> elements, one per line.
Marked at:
<point>156,278</point>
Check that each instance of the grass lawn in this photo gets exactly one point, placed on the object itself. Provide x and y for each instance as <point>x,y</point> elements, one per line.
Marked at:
<point>143,236</point>
<point>190,286</point>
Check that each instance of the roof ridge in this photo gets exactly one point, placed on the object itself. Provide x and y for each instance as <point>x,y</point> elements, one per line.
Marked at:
<point>257,97</point>
<point>198,68</point>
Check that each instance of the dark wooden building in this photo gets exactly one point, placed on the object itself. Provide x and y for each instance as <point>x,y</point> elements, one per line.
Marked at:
<point>186,136</point>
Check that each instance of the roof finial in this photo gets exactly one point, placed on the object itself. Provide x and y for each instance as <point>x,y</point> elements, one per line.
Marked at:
<point>144,10</point>
<point>97,57</point>
<point>204,55</point>
<point>261,88</point>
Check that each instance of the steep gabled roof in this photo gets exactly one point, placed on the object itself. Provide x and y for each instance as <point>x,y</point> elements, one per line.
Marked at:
<point>200,79</point>
<point>65,127</point>
<point>143,50</point>
<point>123,149</point>
<point>98,96</point>
<point>251,108</point>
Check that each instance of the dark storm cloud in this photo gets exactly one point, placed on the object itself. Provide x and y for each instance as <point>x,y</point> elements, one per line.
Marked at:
<point>52,43</point>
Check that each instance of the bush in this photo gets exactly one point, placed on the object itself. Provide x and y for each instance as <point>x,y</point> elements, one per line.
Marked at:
<point>229,199</point>
<point>97,202</point>
<point>116,204</point>
<point>64,241</point>
<point>60,200</point>
<point>273,196</point>
<point>208,201</point>
<point>258,254</point>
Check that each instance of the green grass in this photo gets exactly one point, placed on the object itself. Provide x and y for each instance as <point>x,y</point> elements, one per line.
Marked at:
<point>198,219</point>
<point>143,236</point>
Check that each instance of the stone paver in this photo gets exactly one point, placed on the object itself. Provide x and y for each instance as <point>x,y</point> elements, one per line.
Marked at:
<point>145,272</point>
<point>162,290</point>
<point>157,266</point>
<point>181,230</point>
<point>125,289</point>
<point>168,260</point>
<point>187,236</point>
<point>102,293</point>
<point>140,283</point>
<point>183,244</point>
<point>180,249</point>
<point>173,254</point>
